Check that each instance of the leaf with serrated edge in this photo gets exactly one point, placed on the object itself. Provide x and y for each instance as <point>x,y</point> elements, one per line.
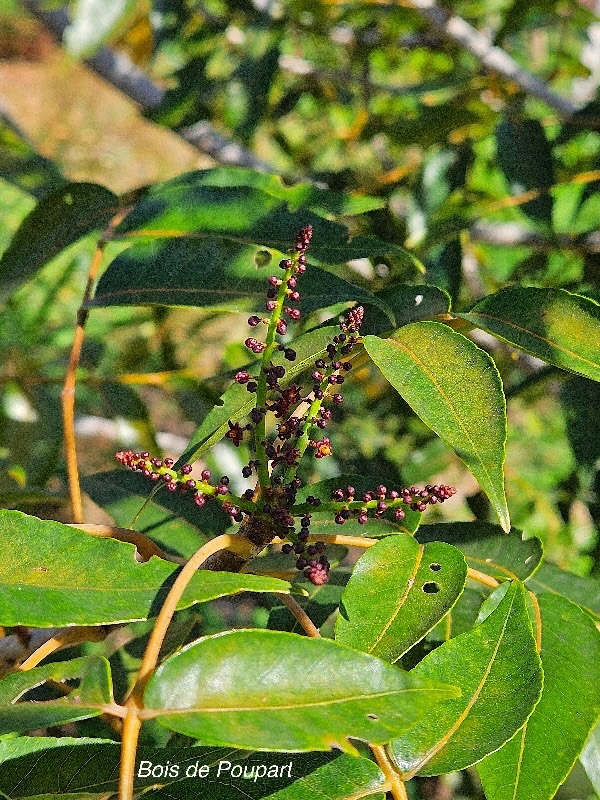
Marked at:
<point>221,689</point>
<point>456,390</point>
<point>498,669</point>
<point>552,324</point>
<point>398,591</point>
<point>534,763</point>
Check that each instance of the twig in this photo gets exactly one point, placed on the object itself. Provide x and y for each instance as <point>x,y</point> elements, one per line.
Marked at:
<point>481,577</point>
<point>117,69</point>
<point>492,57</point>
<point>397,788</point>
<point>66,638</point>
<point>67,397</point>
<point>305,621</point>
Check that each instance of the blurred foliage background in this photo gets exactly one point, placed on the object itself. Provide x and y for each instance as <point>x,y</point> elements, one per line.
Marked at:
<point>479,133</point>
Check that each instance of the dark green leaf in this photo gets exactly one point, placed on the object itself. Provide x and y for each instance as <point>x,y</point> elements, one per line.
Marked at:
<point>525,158</point>
<point>187,207</point>
<point>209,272</point>
<point>499,672</point>
<point>52,574</point>
<point>320,603</point>
<point>300,195</point>
<point>173,521</point>
<point>455,388</point>
<point>407,304</point>
<point>60,219</point>
<point>583,591</point>
<point>552,324</point>
<point>222,688</point>
<point>533,764</point>
<point>94,691</point>
<point>487,548</point>
<point>580,399</point>
<point>398,591</point>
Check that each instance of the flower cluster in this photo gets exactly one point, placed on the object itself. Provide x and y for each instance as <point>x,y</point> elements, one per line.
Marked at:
<point>381,500</point>
<point>300,411</point>
<point>157,469</point>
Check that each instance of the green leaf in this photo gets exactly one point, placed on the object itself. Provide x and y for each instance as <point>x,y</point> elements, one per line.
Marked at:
<point>39,765</point>
<point>525,158</point>
<point>499,673</point>
<point>407,304</point>
<point>52,574</point>
<point>585,592</point>
<point>580,400</point>
<point>552,324</point>
<point>398,591</point>
<point>590,758</point>
<point>24,167</point>
<point>455,388</point>
<point>300,195</point>
<point>487,548</point>
<point>60,219</point>
<point>210,273</point>
<point>242,214</point>
<point>222,688</point>
<point>533,764</point>
<point>94,691</point>
<point>93,22</point>
<point>237,402</point>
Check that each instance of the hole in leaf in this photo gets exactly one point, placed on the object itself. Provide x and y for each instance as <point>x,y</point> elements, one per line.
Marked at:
<point>373,717</point>
<point>435,567</point>
<point>431,588</point>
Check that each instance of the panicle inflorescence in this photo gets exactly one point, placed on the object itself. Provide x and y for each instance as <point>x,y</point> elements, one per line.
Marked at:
<point>380,500</point>
<point>299,411</point>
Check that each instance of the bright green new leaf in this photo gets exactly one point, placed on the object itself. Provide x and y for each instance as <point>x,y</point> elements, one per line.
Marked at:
<point>499,671</point>
<point>487,548</point>
<point>53,574</point>
<point>314,693</point>
<point>60,219</point>
<point>534,763</point>
<point>398,591</point>
<point>552,324</point>
<point>455,388</point>
<point>95,690</point>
